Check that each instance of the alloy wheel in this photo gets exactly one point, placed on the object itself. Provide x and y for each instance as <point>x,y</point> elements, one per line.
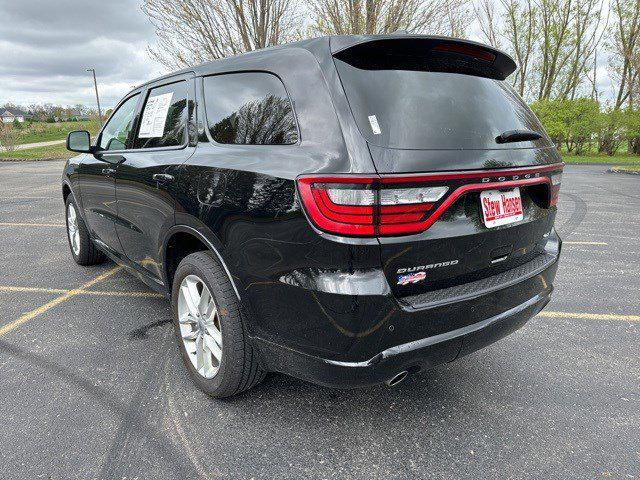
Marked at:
<point>72,229</point>
<point>200,326</point>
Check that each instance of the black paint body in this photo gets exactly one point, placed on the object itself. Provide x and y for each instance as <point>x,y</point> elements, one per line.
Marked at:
<point>322,308</point>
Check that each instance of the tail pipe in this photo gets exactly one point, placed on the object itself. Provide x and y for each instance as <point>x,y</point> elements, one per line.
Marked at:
<point>397,378</point>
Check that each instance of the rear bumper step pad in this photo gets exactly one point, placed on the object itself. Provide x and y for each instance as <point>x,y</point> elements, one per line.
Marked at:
<point>458,293</point>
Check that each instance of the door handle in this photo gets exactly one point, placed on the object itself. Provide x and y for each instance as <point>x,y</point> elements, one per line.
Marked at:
<point>162,177</point>
<point>108,171</point>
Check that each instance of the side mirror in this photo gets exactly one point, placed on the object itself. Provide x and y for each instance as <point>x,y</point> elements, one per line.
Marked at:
<point>79,141</point>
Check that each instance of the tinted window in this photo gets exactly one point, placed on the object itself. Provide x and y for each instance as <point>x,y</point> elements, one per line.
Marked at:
<point>249,108</point>
<point>115,133</point>
<point>413,109</point>
<point>164,117</point>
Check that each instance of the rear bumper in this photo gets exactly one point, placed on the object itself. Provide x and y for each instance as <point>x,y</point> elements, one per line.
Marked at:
<point>361,338</point>
<point>412,356</point>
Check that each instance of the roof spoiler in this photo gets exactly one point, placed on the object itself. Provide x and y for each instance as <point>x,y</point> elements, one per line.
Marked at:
<point>421,52</point>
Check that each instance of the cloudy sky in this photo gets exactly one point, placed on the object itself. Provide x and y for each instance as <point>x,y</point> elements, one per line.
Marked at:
<point>46,46</point>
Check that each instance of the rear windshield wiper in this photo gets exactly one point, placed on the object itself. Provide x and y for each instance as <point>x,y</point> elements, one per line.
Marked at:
<point>517,136</point>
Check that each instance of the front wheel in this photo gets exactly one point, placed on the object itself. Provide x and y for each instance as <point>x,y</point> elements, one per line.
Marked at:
<point>83,250</point>
<point>208,324</point>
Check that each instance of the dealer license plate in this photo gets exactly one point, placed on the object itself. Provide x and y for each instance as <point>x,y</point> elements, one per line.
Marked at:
<point>501,207</point>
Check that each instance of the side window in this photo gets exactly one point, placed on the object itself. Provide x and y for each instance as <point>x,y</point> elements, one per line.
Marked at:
<point>250,109</point>
<point>115,133</point>
<point>164,117</point>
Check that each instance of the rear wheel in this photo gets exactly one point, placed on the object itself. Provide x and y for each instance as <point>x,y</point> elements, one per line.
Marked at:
<point>208,324</point>
<point>83,250</point>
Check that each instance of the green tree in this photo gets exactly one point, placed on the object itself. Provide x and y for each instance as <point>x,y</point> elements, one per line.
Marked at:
<point>631,125</point>
<point>573,123</point>
<point>582,123</point>
<point>612,130</point>
<point>552,115</point>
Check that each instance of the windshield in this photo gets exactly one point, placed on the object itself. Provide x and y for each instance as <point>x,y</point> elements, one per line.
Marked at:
<point>412,109</point>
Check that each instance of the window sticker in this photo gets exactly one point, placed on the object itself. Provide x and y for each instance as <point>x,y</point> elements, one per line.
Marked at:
<point>375,127</point>
<point>155,116</point>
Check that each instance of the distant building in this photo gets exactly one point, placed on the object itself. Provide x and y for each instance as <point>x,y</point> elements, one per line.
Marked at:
<point>74,115</point>
<point>9,115</point>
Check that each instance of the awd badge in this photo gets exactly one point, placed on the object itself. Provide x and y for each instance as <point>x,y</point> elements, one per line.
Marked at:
<point>411,278</point>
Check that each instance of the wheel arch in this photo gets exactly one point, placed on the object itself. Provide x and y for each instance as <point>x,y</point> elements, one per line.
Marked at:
<point>66,191</point>
<point>171,257</point>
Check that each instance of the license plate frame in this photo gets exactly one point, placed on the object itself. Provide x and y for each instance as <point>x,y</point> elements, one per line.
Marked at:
<point>501,207</point>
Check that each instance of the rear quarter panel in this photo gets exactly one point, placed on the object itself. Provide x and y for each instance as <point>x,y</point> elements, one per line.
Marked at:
<point>244,198</point>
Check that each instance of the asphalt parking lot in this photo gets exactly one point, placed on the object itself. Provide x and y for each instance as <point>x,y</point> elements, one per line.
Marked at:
<point>91,384</point>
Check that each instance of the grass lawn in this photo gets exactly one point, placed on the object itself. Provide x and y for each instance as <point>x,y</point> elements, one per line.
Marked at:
<point>52,151</point>
<point>620,159</point>
<point>44,132</point>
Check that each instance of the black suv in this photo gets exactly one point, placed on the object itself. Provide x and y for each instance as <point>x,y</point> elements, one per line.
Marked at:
<point>346,210</point>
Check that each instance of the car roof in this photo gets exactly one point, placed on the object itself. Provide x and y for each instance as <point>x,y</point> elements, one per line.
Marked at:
<point>329,44</point>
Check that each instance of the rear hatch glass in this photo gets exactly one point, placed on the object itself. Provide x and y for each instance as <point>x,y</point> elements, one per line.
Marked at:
<point>425,110</point>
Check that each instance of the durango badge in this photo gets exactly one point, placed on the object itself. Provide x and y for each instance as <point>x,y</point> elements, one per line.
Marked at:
<point>427,267</point>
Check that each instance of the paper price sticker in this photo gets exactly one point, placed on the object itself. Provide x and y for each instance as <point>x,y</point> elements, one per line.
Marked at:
<point>154,116</point>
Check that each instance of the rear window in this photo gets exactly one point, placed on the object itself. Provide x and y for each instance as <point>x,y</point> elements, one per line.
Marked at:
<point>412,109</point>
<point>249,109</point>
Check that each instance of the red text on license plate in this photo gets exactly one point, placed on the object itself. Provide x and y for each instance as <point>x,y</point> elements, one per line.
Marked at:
<point>501,207</point>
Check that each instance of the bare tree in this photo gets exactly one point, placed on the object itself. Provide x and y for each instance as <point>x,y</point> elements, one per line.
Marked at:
<point>8,137</point>
<point>521,26</point>
<point>554,47</point>
<point>342,17</point>
<point>457,18</point>
<point>569,33</point>
<point>195,31</point>
<point>587,30</point>
<point>553,41</point>
<point>625,47</point>
<point>486,12</point>
<point>593,78</point>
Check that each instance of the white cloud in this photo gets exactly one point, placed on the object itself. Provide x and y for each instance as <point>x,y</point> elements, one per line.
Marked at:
<point>47,46</point>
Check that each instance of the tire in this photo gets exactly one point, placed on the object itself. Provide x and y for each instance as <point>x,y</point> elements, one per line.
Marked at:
<point>84,252</point>
<point>238,368</point>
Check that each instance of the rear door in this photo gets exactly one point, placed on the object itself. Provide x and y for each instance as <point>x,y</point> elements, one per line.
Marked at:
<point>146,179</point>
<point>431,111</point>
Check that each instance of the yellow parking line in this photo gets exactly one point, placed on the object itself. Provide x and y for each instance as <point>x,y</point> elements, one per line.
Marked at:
<point>590,316</point>
<point>11,288</point>
<point>27,197</point>
<point>11,224</point>
<point>107,293</point>
<point>113,293</point>
<point>56,301</point>
<point>585,243</point>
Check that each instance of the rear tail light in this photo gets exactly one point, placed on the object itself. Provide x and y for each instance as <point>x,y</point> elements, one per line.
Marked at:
<point>366,206</point>
<point>399,196</point>
<point>556,181</point>
<point>395,205</point>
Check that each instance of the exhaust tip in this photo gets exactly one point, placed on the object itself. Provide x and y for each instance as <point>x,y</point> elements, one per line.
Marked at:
<point>397,378</point>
